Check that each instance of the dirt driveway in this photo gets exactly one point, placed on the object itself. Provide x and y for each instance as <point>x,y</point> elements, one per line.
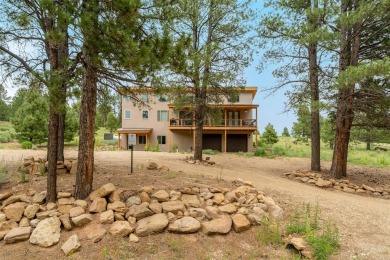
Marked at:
<point>364,222</point>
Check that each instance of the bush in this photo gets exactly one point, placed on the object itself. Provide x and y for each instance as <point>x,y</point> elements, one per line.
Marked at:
<point>26,144</point>
<point>5,137</point>
<point>210,151</point>
<point>260,152</point>
<point>278,151</point>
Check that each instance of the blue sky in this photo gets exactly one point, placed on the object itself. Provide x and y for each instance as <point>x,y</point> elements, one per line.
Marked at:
<point>270,107</point>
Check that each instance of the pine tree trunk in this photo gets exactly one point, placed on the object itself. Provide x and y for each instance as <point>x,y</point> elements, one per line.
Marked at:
<point>315,97</point>
<point>199,116</point>
<point>368,145</point>
<point>61,135</point>
<point>52,151</point>
<point>85,161</point>
<point>349,55</point>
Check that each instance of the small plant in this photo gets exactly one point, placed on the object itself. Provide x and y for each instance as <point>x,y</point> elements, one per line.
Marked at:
<point>42,169</point>
<point>170,175</point>
<point>174,148</point>
<point>147,148</point>
<point>106,253</point>
<point>23,175</point>
<point>219,174</point>
<point>156,148</point>
<point>3,171</point>
<point>270,233</point>
<point>325,244</point>
<point>26,145</point>
<point>304,221</point>
<point>260,152</point>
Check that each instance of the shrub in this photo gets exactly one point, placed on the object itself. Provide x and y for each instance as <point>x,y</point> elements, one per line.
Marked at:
<point>5,137</point>
<point>270,233</point>
<point>278,151</point>
<point>210,151</point>
<point>26,144</point>
<point>260,152</point>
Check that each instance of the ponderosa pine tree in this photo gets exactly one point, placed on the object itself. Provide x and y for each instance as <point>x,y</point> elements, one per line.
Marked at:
<point>218,50</point>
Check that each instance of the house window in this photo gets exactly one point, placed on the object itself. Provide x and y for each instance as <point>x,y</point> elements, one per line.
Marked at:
<point>163,98</point>
<point>127,114</point>
<point>144,98</point>
<point>127,99</point>
<point>162,115</point>
<point>142,139</point>
<point>234,98</point>
<point>145,114</point>
<point>161,139</point>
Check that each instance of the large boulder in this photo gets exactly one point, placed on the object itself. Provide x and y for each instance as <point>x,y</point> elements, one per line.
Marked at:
<point>240,223</point>
<point>15,211</point>
<point>228,208</point>
<point>323,183</point>
<point>185,225</point>
<point>173,206</point>
<point>190,200</point>
<point>133,200</point>
<point>47,232</point>
<point>220,225</point>
<point>17,234</point>
<point>71,245</point>
<point>150,225</point>
<point>82,220</point>
<point>107,217</point>
<point>103,191</point>
<point>139,211</point>
<point>121,228</point>
<point>161,196</point>
<point>98,205</point>
<point>65,220</point>
<point>31,210</point>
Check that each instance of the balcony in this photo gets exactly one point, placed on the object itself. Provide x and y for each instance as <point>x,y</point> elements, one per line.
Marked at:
<point>228,124</point>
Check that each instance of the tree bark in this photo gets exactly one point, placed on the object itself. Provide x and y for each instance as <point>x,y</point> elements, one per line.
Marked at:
<point>349,55</point>
<point>85,162</point>
<point>315,97</point>
<point>52,151</point>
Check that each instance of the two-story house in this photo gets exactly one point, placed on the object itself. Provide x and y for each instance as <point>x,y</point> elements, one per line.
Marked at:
<point>174,130</point>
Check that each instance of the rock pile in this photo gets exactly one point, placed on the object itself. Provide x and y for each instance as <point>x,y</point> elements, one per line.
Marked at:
<point>190,160</point>
<point>36,166</point>
<point>318,180</point>
<point>146,211</point>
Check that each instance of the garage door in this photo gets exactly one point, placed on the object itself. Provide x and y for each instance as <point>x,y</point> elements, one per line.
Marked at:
<point>213,141</point>
<point>237,143</point>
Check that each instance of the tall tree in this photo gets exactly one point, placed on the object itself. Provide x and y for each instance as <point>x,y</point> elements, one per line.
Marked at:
<point>293,32</point>
<point>270,136</point>
<point>356,17</point>
<point>122,45</point>
<point>41,28</point>
<point>219,49</point>
<point>31,118</point>
<point>301,128</point>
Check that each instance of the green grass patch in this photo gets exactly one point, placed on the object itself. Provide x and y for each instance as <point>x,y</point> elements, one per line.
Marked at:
<point>324,240</point>
<point>357,153</point>
<point>210,152</point>
<point>270,232</point>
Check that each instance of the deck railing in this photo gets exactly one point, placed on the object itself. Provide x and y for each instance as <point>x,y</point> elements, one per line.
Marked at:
<point>185,122</point>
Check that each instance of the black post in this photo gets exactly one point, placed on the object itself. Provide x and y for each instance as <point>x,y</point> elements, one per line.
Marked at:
<point>131,147</point>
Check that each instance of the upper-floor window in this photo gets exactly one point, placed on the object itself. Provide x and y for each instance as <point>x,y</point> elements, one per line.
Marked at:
<point>145,114</point>
<point>127,99</point>
<point>127,114</point>
<point>162,115</point>
<point>234,98</point>
<point>163,98</point>
<point>144,98</point>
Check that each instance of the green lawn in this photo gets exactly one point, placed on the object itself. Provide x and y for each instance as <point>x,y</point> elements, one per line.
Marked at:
<point>357,153</point>
<point>99,139</point>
